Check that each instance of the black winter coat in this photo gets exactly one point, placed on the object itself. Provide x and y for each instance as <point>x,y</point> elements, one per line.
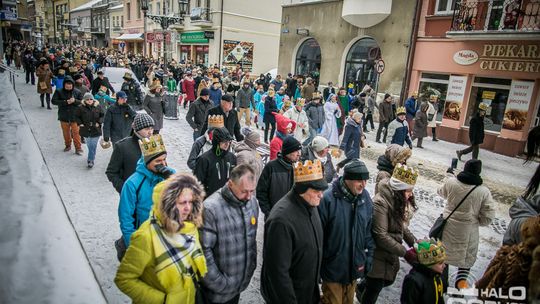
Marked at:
<point>346,224</point>
<point>98,82</point>
<point>214,171</point>
<point>123,161</point>
<point>66,112</point>
<point>231,122</point>
<point>276,180</point>
<point>292,252</point>
<point>476,130</point>
<point>419,286</point>
<point>196,114</point>
<point>315,114</point>
<point>269,108</point>
<point>117,123</point>
<point>134,93</point>
<point>89,118</point>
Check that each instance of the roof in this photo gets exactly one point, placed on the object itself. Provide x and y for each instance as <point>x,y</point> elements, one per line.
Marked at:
<point>127,37</point>
<point>87,5</point>
<point>116,7</point>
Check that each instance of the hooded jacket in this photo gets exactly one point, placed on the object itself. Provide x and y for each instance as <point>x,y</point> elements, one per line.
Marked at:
<point>520,211</point>
<point>315,114</point>
<point>134,206</point>
<point>244,98</point>
<point>346,222</point>
<point>229,243</point>
<point>90,119</point>
<point>66,112</point>
<point>118,121</point>
<point>98,82</point>
<point>276,180</point>
<point>124,158</point>
<point>281,126</point>
<point>213,171</point>
<point>200,146</point>
<point>350,143</point>
<point>422,285</point>
<point>197,113</point>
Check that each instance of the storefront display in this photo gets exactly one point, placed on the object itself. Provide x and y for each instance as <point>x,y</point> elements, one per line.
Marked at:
<point>434,84</point>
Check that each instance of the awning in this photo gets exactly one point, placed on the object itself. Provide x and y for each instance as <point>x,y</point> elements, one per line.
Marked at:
<point>132,37</point>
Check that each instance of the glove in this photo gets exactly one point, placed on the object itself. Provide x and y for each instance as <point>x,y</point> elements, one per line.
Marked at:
<point>450,170</point>
<point>106,138</point>
<point>165,172</point>
<point>411,257</point>
<point>410,147</point>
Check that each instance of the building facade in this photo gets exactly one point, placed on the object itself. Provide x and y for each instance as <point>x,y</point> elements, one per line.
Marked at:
<point>116,23</point>
<point>82,17</point>
<point>481,52</point>
<point>349,42</point>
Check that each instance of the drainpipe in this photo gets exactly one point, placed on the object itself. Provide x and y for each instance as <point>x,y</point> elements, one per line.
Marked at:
<point>220,36</point>
<point>410,56</point>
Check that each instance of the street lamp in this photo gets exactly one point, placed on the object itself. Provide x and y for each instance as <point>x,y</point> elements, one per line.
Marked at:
<point>144,8</point>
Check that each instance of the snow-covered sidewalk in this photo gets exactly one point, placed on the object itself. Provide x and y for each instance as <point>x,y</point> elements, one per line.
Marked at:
<point>41,256</point>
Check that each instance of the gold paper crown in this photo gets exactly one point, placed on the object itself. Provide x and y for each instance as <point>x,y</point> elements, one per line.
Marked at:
<point>316,95</point>
<point>482,106</point>
<point>407,175</point>
<point>152,145</point>
<point>308,171</point>
<point>430,252</point>
<point>215,121</point>
<point>400,110</point>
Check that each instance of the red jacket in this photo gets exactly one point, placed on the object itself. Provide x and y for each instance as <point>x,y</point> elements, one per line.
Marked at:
<point>188,88</point>
<point>281,126</point>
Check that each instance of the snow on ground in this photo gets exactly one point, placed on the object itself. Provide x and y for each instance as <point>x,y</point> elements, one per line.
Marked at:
<point>42,259</point>
<point>92,203</point>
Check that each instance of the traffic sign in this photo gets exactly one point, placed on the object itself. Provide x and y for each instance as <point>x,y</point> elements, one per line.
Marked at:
<point>379,66</point>
<point>122,44</point>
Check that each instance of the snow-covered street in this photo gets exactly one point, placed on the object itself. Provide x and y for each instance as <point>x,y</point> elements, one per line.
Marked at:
<point>40,246</point>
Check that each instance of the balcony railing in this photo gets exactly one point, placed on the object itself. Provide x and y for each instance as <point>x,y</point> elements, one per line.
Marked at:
<point>200,15</point>
<point>496,16</point>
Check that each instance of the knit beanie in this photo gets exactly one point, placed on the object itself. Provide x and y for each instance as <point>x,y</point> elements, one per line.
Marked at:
<point>88,96</point>
<point>319,143</point>
<point>220,135</point>
<point>471,173</point>
<point>290,145</point>
<point>141,121</point>
<point>356,170</point>
<point>205,92</point>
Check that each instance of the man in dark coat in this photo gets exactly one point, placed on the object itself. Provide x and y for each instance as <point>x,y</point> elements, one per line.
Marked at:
<point>476,132</point>
<point>101,80</point>
<point>196,114</point>
<point>277,177</point>
<point>291,85</point>
<point>68,99</point>
<point>118,119</point>
<point>346,210</point>
<point>133,90</point>
<point>127,151</point>
<point>386,115</point>
<point>315,114</point>
<point>293,241</point>
<point>214,167</point>
<point>230,117</point>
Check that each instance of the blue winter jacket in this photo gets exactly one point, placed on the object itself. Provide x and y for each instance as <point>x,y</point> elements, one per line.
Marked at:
<point>348,244</point>
<point>58,82</point>
<point>399,132</point>
<point>215,95</point>
<point>351,139</point>
<point>411,106</point>
<point>135,208</point>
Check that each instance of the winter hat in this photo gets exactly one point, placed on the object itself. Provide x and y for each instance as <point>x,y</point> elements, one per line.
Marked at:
<point>152,148</point>
<point>471,173</point>
<point>220,135</point>
<point>77,76</point>
<point>290,145</point>
<point>121,94</point>
<point>430,252</point>
<point>319,143</point>
<point>355,170</point>
<point>227,97</point>
<point>386,96</point>
<point>403,177</point>
<point>141,121</point>
<point>205,92</point>
<point>283,123</point>
<point>251,138</point>
<point>88,96</point>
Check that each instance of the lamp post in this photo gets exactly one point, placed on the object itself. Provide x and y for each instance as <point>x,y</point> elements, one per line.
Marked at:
<point>79,30</point>
<point>144,8</point>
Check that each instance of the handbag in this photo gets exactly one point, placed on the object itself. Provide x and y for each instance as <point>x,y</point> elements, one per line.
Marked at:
<point>430,117</point>
<point>437,229</point>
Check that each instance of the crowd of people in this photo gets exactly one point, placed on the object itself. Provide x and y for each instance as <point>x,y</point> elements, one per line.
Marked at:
<point>191,237</point>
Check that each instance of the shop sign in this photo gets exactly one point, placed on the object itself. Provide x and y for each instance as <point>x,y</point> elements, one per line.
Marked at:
<point>454,97</point>
<point>208,34</point>
<point>517,106</point>
<point>158,37</point>
<point>511,57</point>
<point>193,37</point>
<point>238,52</point>
<point>465,57</point>
<point>488,95</point>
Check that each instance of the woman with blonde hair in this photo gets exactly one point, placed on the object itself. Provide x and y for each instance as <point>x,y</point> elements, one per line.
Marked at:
<point>203,84</point>
<point>164,260</point>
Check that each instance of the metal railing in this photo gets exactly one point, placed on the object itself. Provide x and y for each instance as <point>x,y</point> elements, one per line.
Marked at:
<point>12,73</point>
<point>200,14</point>
<point>495,16</point>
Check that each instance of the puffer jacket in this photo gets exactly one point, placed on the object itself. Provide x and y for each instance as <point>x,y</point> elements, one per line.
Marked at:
<point>346,222</point>
<point>520,211</point>
<point>89,118</point>
<point>229,243</point>
<point>328,166</point>
<point>350,143</point>
<point>246,155</point>
<point>117,122</point>
<point>66,112</point>
<point>276,180</point>
<point>215,95</point>
<point>388,233</point>
<point>315,115</point>
<point>461,236</point>
<point>398,131</point>
<point>301,119</point>
<point>134,207</point>
<point>214,171</point>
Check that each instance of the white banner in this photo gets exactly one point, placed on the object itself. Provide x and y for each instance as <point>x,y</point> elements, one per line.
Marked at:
<point>517,106</point>
<point>454,97</point>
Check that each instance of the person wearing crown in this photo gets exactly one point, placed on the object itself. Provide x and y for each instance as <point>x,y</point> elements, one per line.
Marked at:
<point>424,283</point>
<point>398,129</point>
<point>319,149</point>
<point>293,240</point>
<point>230,117</point>
<point>204,143</point>
<point>136,195</point>
<point>345,211</point>
<point>476,133</point>
<point>393,206</point>
<point>133,91</point>
<point>213,167</point>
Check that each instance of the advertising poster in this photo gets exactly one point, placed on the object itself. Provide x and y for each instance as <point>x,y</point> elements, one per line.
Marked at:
<point>454,97</point>
<point>238,52</point>
<point>519,99</point>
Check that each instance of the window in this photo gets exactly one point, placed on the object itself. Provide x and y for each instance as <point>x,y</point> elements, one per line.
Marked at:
<point>308,60</point>
<point>158,8</point>
<point>359,66</point>
<point>444,7</point>
<point>128,7</point>
<point>493,92</point>
<point>150,8</point>
<point>122,21</point>
<point>138,10</point>
<point>434,84</point>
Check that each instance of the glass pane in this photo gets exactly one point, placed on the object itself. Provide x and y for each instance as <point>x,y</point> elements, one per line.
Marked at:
<point>359,67</point>
<point>496,100</point>
<point>436,76</point>
<point>308,60</point>
<point>498,81</point>
<point>441,7</point>
<point>430,88</point>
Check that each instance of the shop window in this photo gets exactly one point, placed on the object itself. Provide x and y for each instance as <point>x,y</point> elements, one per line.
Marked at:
<point>128,10</point>
<point>201,54</point>
<point>444,7</point>
<point>360,64</point>
<point>493,92</point>
<point>434,84</point>
<point>308,60</point>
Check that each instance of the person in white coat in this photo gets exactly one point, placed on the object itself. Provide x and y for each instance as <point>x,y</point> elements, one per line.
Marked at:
<point>331,113</point>
<point>298,114</point>
<point>432,115</point>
